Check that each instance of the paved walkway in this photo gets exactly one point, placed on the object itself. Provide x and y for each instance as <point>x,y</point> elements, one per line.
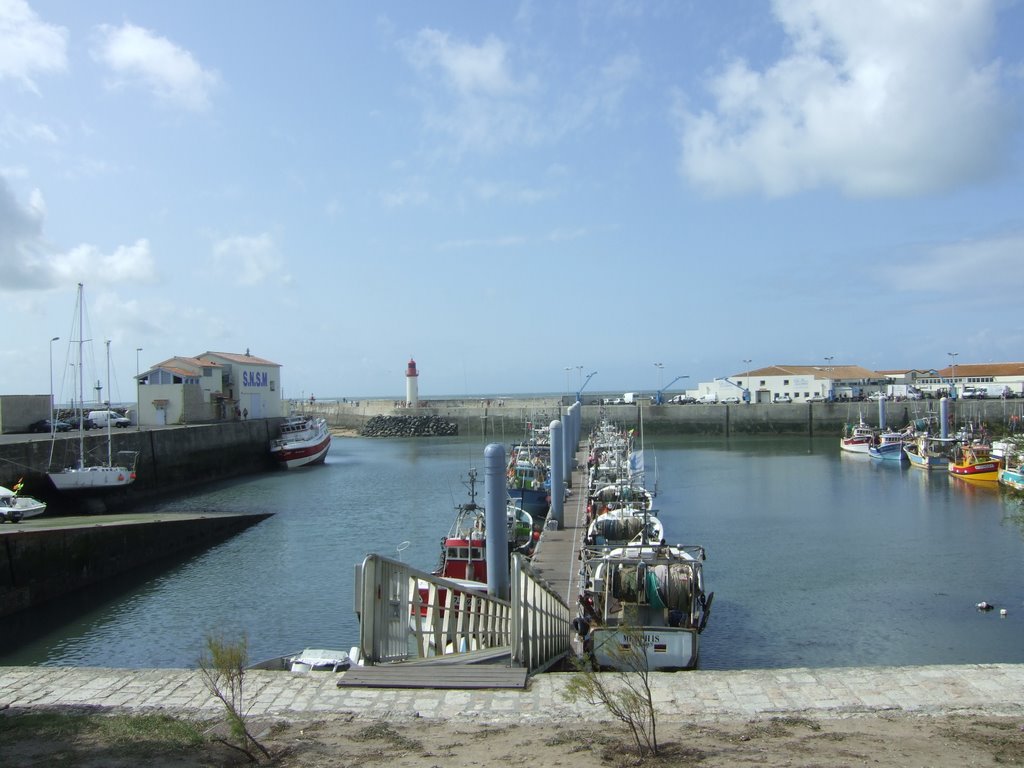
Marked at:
<point>698,696</point>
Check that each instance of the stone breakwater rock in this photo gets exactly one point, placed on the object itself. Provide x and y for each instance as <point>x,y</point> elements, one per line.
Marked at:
<point>409,426</point>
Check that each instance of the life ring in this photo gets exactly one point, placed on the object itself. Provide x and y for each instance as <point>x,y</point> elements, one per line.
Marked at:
<point>120,478</point>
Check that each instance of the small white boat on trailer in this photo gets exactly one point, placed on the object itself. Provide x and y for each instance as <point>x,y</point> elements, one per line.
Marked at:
<point>14,507</point>
<point>304,440</point>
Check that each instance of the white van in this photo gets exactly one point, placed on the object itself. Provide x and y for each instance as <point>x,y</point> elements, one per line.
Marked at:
<point>100,419</point>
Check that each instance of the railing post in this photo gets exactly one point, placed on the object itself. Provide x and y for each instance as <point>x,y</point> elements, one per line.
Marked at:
<point>496,520</point>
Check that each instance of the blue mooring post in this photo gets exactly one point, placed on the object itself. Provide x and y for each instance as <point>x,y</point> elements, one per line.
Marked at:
<point>496,521</point>
<point>944,417</point>
<point>557,475</point>
<point>881,413</point>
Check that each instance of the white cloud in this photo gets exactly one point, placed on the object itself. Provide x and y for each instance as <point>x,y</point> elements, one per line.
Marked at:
<point>172,73</point>
<point>875,98</point>
<point>28,45</point>
<point>249,259</point>
<point>468,69</point>
<point>21,131</point>
<point>128,263</point>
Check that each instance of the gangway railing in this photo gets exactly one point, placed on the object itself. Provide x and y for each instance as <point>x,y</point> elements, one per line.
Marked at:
<point>410,615</point>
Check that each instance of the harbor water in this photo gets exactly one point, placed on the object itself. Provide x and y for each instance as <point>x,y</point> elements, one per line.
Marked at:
<point>816,558</point>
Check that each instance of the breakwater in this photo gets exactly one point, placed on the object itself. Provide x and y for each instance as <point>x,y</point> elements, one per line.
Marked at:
<point>409,426</point>
<point>506,419</point>
<point>40,564</point>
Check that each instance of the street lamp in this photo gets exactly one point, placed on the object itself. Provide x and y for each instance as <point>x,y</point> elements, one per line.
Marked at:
<point>952,377</point>
<point>661,371</point>
<point>579,375</point>
<point>52,425</point>
<point>747,393</point>
<point>138,395</point>
<point>568,384</point>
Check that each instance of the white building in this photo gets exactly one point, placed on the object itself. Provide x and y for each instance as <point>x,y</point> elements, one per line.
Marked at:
<point>213,386</point>
<point>790,383</point>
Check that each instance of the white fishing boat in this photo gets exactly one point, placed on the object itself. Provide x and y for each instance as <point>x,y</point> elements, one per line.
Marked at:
<point>14,507</point>
<point>304,441</point>
<point>82,476</point>
<point>643,607</point>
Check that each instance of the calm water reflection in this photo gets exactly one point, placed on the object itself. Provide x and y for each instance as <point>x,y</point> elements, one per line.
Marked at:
<point>816,558</point>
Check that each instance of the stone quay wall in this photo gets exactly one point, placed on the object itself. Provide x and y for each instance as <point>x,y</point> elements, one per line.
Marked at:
<point>506,420</point>
<point>40,565</point>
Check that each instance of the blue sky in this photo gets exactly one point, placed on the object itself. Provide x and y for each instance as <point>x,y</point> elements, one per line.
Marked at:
<point>504,191</point>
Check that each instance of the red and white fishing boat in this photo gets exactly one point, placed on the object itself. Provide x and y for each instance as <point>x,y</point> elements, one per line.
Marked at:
<point>857,438</point>
<point>304,440</point>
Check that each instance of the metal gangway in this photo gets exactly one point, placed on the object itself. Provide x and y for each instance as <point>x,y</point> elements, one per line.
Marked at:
<point>410,618</point>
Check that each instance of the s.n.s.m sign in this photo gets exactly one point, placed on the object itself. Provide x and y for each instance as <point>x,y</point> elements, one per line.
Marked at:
<point>255,379</point>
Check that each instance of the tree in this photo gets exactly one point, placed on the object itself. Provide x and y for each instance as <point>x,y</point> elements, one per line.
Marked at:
<point>625,692</point>
<point>223,667</point>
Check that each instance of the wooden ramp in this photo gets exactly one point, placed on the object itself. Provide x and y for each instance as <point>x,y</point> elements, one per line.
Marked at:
<point>413,675</point>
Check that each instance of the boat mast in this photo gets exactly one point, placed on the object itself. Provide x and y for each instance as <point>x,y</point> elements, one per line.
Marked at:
<point>110,442</point>
<point>81,390</point>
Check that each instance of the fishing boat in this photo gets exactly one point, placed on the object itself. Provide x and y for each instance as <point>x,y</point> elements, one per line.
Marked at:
<point>643,606</point>
<point>889,446</point>
<point>857,438</point>
<point>304,441</point>
<point>14,507</point>
<point>1011,473</point>
<point>974,462</point>
<point>464,548</point>
<point>529,484</point>
<point>82,477</point>
<point>928,452</point>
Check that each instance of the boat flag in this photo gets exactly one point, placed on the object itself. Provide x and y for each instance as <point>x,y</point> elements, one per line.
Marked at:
<point>18,485</point>
<point>636,462</point>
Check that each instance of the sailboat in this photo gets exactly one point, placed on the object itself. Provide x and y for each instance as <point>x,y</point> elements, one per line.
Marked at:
<point>84,477</point>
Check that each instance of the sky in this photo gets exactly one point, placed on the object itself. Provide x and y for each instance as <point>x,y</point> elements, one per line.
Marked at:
<point>514,195</point>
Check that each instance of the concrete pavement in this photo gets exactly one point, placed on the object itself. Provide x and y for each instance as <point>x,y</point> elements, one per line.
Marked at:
<point>697,696</point>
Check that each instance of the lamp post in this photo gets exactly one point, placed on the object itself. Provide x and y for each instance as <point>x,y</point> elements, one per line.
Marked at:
<point>138,393</point>
<point>747,393</point>
<point>661,378</point>
<point>828,360</point>
<point>568,384</point>
<point>579,375</point>
<point>55,338</point>
<point>952,377</point>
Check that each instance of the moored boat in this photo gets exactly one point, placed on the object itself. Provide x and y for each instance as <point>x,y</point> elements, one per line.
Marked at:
<point>1011,473</point>
<point>857,438</point>
<point>304,440</point>
<point>14,507</point>
<point>928,452</point>
<point>974,462</point>
<point>529,484</point>
<point>643,607</point>
<point>83,477</point>
<point>889,446</point>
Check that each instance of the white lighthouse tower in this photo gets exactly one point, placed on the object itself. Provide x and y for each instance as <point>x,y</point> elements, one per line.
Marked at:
<point>412,389</point>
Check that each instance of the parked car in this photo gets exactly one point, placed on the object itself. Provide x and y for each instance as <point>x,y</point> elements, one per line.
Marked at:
<point>783,399</point>
<point>46,425</point>
<point>876,396</point>
<point>731,399</point>
<point>816,399</point>
<point>682,399</point>
<point>73,421</point>
<point>974,393</point>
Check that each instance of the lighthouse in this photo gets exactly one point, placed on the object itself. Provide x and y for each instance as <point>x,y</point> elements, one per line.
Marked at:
<point>412,394</point>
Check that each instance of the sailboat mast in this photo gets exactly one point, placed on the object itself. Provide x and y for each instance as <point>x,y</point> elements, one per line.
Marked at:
<point>110,443</point>
<point>81,390</point>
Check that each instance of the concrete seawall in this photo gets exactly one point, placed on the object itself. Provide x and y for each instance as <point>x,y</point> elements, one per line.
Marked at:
<point>41,561</point>
<point>169,459</point>
<point>505,420</point>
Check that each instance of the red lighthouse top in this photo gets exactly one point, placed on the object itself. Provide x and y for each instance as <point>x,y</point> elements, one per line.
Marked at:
<point>411,368</point>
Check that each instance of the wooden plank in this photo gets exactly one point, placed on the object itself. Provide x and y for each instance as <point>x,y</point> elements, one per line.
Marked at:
<point>469,676</point>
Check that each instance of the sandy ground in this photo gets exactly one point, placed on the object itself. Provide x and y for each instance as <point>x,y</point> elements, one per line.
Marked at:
<point>340,740</point>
